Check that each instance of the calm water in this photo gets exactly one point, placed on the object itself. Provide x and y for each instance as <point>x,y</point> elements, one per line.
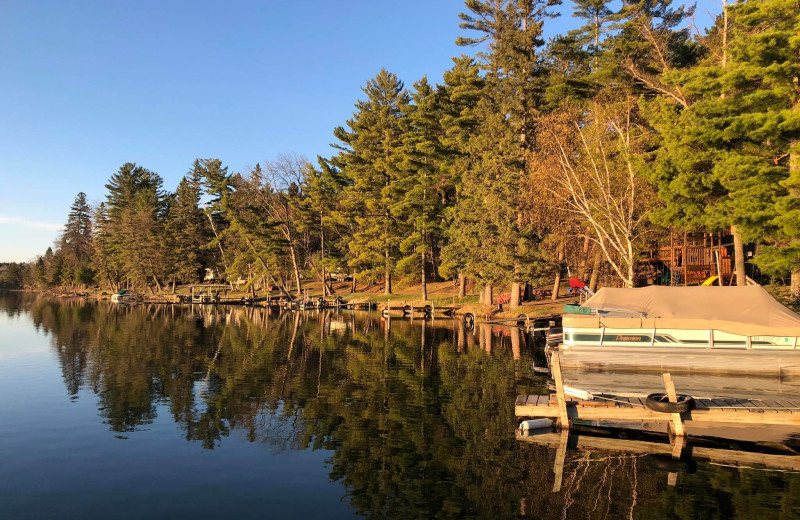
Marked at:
<point>178,412</point>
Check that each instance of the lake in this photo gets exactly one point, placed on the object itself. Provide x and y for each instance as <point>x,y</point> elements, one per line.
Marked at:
<point>234,412</point>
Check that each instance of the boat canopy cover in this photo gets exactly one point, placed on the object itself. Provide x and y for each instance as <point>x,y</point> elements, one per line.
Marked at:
<point>747,311</point>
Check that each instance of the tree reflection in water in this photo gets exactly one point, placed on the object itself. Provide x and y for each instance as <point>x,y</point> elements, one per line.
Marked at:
<point>418,416</point>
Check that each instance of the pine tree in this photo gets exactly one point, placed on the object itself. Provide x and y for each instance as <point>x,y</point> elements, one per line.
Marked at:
<point>186,230</point>
<point>725,156</point>
<point>368,158</point>
<point>78,230</point>
<point>763,86</point>
<point>462,90</point>
<point>420,191</point>
<point>217,183</point>
<point>101,252</point>
<point>322,188</point>
<point>135,210</point>
<point>516,83</point>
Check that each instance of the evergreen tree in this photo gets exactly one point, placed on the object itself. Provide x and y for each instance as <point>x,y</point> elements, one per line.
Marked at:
<point>187,230</point>
<point>725,155</point>
<point>462,90</point>
<point>217,183</point>
<point>369,159</point>
<point>763,85</point>
<point>76,243</point>
<point>135,209</point>
<point>101,261</point>
<point>421,193</point>
<point>516,83</point>
<point>322,188</point>
<point>77,237</point>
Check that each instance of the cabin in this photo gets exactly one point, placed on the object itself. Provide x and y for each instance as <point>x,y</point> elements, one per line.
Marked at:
<point>212,275</point>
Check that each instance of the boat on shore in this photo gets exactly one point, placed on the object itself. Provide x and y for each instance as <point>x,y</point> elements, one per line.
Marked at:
<point>126,297</point>
<point>688,330</point>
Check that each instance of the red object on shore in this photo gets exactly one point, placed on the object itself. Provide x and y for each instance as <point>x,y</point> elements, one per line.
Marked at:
<point>575,283</point>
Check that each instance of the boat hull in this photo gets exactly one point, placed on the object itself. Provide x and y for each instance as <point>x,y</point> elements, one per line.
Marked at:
<point>680,351</point>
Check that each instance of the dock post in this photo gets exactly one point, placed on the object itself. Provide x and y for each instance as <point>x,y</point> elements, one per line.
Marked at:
<point>555,367</point>
<point>561,456</point>
<point>677,421</point>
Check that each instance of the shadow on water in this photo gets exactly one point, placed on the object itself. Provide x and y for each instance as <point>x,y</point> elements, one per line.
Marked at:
<point>418,417</point>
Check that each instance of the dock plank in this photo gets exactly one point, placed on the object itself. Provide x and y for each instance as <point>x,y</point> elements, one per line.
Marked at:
<point>751,405</point>
<point>772,405</point>
<point>738,411</point>
<point>521,399</point>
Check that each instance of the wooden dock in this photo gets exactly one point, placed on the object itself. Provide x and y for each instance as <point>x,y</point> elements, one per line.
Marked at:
<point>608,407</point>
<point>626,409</point>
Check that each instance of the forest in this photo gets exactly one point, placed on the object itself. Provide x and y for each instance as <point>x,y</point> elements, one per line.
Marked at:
<point>532,156</point>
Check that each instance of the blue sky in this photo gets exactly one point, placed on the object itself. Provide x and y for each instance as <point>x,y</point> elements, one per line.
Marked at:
<point>88,85</point>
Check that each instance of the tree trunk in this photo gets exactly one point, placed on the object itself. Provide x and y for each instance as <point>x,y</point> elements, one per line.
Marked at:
<point>583,264</point>
<point>353,283</point>
<point>322,255</point>
<point>266,269</point>
<point>598,262</point>
<point>158,285</point>
<point>794,173</point>
<point>424,280</point>
<point>515,296</point>
<point>296,271</point>
<point>488,298</point>
<point>557,282</point>
<point>462,285</point>
<point>219,243</point>
<point>388,287</point>
<point>738,257</point>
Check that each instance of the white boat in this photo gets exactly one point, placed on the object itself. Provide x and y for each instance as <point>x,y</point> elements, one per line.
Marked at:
<point>125,296</point>
<point>734,330</point>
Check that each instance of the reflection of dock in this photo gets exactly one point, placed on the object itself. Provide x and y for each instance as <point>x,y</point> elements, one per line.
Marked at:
<point>716,455</point>
<point>676,456</point>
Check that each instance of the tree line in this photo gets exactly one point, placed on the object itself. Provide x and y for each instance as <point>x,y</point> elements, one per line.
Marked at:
<point>529,157</point>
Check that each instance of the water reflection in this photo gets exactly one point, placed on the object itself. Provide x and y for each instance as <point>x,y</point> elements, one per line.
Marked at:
<point>418,415</point>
